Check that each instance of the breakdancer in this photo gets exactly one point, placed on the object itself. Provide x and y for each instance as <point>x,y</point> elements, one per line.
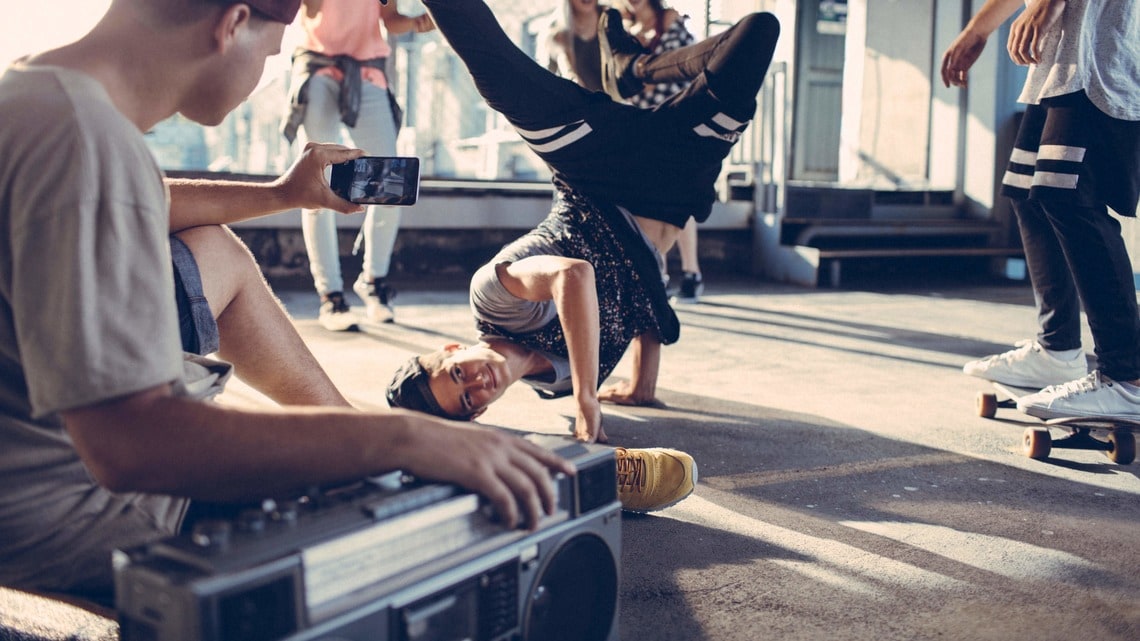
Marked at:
<point>559,307</point>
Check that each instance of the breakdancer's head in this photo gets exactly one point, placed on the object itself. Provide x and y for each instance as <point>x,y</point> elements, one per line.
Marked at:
<point>460,382</point>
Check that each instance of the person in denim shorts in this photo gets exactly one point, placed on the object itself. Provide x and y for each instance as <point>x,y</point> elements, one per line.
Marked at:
<point>104,439</point>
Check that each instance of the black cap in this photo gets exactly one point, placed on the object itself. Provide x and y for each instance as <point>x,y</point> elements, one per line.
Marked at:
<point>410,390</point>
<point>279,10</point>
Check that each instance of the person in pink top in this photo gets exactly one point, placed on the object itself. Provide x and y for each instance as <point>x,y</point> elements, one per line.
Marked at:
<point>339,93</point>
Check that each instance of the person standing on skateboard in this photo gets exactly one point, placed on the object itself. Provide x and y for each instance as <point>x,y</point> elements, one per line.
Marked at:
<point>1077,154</point>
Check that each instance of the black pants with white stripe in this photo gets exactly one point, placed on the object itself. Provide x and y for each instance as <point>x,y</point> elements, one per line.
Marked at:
<point>1071,162</point>
<point>660,163</point>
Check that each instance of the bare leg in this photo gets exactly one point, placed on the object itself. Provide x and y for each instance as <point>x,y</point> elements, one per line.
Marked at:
<point>257,336</point>
<point>687,244</point>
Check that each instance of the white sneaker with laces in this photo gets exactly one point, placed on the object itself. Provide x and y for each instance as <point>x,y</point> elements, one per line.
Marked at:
<point>335,315</point>
<point>1030,365</point>
<point>377,296</point>
<point>1092,396</point>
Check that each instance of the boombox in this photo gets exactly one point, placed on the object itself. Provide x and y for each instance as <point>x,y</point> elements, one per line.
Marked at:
<point>386,561</point>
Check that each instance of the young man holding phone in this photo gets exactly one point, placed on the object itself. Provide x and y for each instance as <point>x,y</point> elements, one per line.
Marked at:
<point>103,432</point>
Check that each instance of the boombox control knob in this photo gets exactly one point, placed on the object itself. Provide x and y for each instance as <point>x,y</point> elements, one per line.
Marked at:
<point>540,599</point>
<point>211,533</point>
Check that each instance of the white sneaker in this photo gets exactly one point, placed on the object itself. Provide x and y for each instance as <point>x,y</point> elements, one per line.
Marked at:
<point>1030,365</point>
<point>377,296</point>
<point>1094,396</point>
<point>335,314</point>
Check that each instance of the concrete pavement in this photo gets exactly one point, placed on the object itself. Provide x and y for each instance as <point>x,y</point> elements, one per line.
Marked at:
<point>848,490</point>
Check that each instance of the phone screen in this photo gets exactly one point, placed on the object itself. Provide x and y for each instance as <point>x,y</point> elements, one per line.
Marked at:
<point>378,180</point>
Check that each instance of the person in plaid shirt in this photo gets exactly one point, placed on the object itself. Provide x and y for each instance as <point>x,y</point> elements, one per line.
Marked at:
<point>659,29</point>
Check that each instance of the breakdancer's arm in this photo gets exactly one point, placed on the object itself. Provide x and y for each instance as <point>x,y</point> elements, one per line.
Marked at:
<point>641,389</point>
<point>569,282</point>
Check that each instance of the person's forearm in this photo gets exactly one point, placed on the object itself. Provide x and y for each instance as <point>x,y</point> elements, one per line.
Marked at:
<point>155,443</point>
<point>991,16</point>
<point>194,203</point>
<point>576,298</point>
<point>168,445</point>
<point>396,22</point>
<point>570,284</point>
<point>399,23</point>
<point>645,352</point>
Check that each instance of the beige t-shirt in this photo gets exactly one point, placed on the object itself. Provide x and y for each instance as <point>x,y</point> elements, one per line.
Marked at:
<point>87,314</point>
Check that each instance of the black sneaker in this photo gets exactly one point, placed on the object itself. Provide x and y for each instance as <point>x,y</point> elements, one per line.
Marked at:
<point>335,314</point>
<point>377,296</point>
<point>619,51</point>
<point>692,286</point>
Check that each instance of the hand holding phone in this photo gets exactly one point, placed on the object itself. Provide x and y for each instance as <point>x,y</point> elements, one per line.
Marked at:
<point>378,180</point>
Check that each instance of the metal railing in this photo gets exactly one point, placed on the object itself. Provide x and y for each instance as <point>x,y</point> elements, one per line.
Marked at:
<point>759,160</point>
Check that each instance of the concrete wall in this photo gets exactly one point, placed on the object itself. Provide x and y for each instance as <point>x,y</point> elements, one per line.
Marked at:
<point>902,127</point>
<point>887,93</point>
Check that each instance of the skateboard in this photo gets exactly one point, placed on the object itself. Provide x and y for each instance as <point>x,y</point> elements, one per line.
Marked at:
<point>1115,437</point>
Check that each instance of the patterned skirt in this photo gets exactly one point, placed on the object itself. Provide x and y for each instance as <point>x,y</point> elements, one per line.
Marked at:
<point>631,292</point>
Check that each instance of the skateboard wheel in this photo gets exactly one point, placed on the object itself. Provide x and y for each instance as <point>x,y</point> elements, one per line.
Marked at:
<point>987,404</point>
<point>1037,443</point>
<point>1123,447</point>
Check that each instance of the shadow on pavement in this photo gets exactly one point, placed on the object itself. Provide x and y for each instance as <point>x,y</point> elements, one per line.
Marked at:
<point>800,524</point>
<point>821,330</point>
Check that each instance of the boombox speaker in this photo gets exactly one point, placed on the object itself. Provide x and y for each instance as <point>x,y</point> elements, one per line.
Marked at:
<point>377,562</point>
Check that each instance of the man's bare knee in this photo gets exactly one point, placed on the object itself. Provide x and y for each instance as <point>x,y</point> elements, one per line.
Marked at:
<point>224,262</point>
<point>211,243</point>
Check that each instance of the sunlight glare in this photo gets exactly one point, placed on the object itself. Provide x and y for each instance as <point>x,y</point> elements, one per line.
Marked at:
<point>824,560</point>
<point>31,27</point>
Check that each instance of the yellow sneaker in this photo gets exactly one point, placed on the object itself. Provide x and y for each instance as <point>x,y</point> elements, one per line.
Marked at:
<point>653,479</point>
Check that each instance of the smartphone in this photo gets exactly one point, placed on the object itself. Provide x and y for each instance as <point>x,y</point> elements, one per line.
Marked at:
<point>378,180</point>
